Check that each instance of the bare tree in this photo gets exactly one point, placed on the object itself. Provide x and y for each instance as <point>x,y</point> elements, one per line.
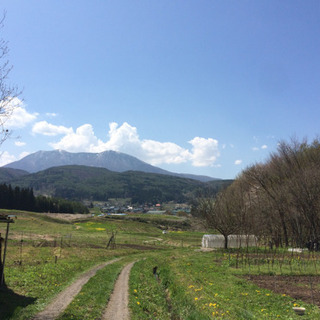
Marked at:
<point>222,213</point>
<point>8,93</point>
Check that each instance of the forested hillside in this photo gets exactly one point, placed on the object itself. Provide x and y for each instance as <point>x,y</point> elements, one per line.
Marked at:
<point>90,183</point>
<point>23,199</point>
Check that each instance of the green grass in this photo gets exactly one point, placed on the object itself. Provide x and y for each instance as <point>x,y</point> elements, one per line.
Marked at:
<point>191,285</point>
<point>39,278</point>
<point>91,301</point>
<point>147,297</point>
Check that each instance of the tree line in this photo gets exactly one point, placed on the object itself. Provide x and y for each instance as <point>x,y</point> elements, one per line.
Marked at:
<point>278,200</point>
<point>24,199</point>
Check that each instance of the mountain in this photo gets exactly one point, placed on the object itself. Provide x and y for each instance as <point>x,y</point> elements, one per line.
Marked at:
<point>8,174</point>
<point>111,160</point>
<point>83,182</point>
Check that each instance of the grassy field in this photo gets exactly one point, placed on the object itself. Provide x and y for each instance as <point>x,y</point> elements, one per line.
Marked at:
<point>171,280</point>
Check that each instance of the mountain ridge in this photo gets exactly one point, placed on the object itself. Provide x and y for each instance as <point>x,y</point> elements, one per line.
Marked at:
<point>76,182</point>
<point>111,160</point>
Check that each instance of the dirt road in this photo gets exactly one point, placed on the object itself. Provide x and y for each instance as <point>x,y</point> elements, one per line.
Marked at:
<point>63,299</point>
<point>118,304</point>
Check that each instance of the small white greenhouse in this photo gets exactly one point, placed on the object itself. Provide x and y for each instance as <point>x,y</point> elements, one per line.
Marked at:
<point>234,241</point>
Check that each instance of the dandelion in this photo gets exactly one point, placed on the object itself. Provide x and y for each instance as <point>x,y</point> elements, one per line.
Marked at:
<point>268,294</point>
<point>296,305</point>
<point>135,291</point>
<point>263,310</point>
<point>191,286</point>
<point>215,294</point>
<point>195,298</point>
<point>138,302</point>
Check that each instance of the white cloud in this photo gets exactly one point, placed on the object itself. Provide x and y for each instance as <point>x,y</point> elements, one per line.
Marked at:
<point>19,116</point>
<point>261,148</point>
<point>204,151</point>
<point>48,129</point>
<point>6,157</point>
<point>23,154</point>
<point>164,152</point>
<point>238,162</point>
<point>125,139</point>
<point>51,114</point>
<point>81,140</point>
<point>19,143</point>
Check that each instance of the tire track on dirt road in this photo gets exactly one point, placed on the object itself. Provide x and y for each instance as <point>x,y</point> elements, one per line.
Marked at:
<point>64,298</point>
<point>117,307</point>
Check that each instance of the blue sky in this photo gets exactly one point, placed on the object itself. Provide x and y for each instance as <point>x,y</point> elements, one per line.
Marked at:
<point>203,87</point>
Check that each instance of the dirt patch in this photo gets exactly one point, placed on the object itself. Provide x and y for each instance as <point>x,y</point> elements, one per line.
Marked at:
<point>68,216</point>
<point>31,236</point>
<point>118,304</point>
<point>303,288</point>
<point>136,246</point>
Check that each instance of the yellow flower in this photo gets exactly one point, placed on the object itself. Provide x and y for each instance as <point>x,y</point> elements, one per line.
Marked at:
<point>138,302</point>
<point>135,290</point>
<point>196,299</point>
<point>191,286</point>
<point>267,294</point>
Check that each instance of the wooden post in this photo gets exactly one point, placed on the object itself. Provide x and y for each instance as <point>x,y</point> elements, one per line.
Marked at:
<point>8,220</point>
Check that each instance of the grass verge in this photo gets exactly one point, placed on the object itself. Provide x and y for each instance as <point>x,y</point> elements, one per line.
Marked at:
<point>192,286</point>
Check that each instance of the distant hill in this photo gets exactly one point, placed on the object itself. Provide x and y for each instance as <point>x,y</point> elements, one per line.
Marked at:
<point>83,182</point>
<point>8,174</point>
<point>111,160</point>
